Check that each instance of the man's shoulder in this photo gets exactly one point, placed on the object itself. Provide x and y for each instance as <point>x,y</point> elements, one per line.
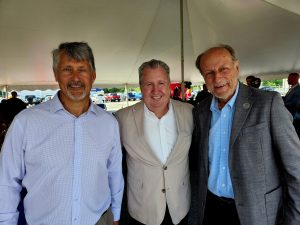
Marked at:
<point>204,104</point>
<point>34,111</point>
<point>128,110</point>
<point>15,100</point>
<point>256,93</point>
<point>179,104</point>
<point>297,89</point>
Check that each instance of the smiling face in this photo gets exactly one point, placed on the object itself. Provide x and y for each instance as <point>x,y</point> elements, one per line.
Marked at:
<point>220,73</point>
<point>155,87</point>
<point>75,79</point>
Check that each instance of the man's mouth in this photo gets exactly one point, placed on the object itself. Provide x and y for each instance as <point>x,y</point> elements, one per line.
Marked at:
<point>75,85</point>
<point>156,97</point>
<point>220,85</point>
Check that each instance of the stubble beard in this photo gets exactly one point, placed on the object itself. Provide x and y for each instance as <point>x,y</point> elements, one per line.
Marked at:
<point>70,93</point>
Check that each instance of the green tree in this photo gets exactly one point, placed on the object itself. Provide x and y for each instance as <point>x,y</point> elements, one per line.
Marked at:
<point>272,83</point>
<point>114,90</point>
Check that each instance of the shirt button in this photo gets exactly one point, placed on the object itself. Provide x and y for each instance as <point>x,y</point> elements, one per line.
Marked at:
<point>223,185</point>
<point>163,190</point>
<point>223,168</point>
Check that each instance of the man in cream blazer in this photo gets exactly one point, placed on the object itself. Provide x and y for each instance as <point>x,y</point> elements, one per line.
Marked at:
<point>156,134</point>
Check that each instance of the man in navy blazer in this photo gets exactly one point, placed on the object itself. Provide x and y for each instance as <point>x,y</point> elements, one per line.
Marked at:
<point>248,153</point>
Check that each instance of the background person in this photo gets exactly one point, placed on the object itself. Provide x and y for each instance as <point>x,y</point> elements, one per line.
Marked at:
<point>292,100</point>
<point>256,82</point>
<point>202,94</point>
<point>247,149</point>
<point>66,152</point>
<point>249,79</point>
<point>156,134</point>
<point>13,106</point>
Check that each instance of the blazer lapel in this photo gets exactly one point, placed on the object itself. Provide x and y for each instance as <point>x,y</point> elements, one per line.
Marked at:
<point>243,106</point>
<point>138,115</point>
<point>204,128</point>
<point>179,124</point>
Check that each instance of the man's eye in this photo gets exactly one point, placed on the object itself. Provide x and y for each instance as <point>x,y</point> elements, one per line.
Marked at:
<point>209,74</point>
<point>67,70</point>
<point>224,69</point>
<point>82,70</point>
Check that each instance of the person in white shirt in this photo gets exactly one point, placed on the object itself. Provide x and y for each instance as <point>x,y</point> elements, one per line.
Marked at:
<point>156,134</point>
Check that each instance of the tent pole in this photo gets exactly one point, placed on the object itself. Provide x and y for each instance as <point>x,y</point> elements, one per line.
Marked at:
<point>182,51</point>
<point>126,94</point>
<point>6,88</point>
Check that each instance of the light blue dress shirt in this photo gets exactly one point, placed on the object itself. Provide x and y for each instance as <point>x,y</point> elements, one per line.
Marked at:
<point>219,180</point>
<point>71,166</point>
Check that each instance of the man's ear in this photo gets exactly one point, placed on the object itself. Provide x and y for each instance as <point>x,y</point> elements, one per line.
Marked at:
<point>55,75</point>
<point>94,76</point>
<point>237,65</point>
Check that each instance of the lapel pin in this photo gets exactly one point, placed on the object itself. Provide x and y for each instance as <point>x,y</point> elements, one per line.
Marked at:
<point>246,105</point>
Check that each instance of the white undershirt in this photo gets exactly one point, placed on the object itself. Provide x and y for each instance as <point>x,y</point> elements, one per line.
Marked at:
<point>161,134</point>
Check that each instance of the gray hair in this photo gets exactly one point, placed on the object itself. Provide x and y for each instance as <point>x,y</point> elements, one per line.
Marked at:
<point>153,64</point>
<point>222,46</point>
<point>80,51</point>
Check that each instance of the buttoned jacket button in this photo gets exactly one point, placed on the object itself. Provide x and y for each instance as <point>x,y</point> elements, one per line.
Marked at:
<point>163,190</point>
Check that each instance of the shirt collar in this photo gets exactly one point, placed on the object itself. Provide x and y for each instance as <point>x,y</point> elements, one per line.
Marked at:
<point>56,105</point>
<point>152,115</point>
<point>230,103</point>
<point>294,86</point>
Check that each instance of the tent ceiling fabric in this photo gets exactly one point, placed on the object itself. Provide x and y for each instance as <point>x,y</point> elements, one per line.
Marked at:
<point>125,33</point>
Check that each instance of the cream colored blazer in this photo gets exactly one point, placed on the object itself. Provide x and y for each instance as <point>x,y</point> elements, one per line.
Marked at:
<point>150,184</point>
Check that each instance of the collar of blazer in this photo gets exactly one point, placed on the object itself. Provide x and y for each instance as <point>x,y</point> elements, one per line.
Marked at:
<point>243,106</point>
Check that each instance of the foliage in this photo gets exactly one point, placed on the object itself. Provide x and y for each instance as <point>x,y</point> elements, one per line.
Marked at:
<point>120,90</point>
<point>114,90</point>
<point>137,89</point>
<point>272,83</point>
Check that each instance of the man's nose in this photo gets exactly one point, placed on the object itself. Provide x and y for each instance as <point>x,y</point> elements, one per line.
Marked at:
<point>75,75</point>
<point>155,88</point>
<point>218,75</point>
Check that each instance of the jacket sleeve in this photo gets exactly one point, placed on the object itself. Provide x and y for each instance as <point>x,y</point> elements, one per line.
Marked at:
<point>287,146</point>
<point>116,181</point>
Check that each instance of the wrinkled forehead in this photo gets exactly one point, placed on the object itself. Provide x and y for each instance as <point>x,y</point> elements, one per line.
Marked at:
<point>216,53</point>
<point>215,57</point>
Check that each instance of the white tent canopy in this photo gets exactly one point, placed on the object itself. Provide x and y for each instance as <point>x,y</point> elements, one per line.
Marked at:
<point>125,33</point>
